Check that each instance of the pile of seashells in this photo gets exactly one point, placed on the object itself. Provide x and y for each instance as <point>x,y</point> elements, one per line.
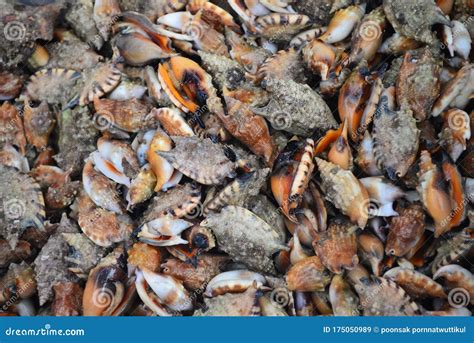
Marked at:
<point>236,158</point>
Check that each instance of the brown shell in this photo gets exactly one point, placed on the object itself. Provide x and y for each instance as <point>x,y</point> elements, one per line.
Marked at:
<point>21,252</point>
<point>145,256</point>
<point>201,160</point>
<point>231,305</point>
<point>11,127</point>
<point>195,277</point>
<point>22,204</point>
<point>343,300</point>
<point>10,85</point>
<point>416,284</point>
<point>453,248</point>
<point>414,18</point>
<point>337,247</point>
<point>232,225</point>
<point>67,299</point>
<point>281,26</point>
<point>251,57</point>
<point>382,297</point>
<point>129,115</point>
<point>405,230</point>
<point>285,65</point>
<point>396,139</point>
<point>295,108</point>
<point>181,201</point>
<point>250,129</point>
<point>418,83</point>
<point>308,275</point>
<point>39,123</point>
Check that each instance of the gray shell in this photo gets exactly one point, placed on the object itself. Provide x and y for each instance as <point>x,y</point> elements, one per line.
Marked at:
<point>50,265</point>
<point>84,254</point>
<point>396,139</point>
<point>231,305</point>
<point>200,159</point>
<point>296,108</point>
<point>453,248</point>
<point>245,237</point>
<point>22,204</point>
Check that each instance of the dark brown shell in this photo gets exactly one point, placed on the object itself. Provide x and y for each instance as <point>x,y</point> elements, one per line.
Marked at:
<point>10,85</point>
<point>308,275</point>
<point>67,299</point>
<point>405,230</point>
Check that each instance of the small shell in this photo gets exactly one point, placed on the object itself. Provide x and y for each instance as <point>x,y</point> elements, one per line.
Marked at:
<point>142,187</point>
<point>10,85</point>
<point>201,160</point>
<point>162,169</point>
<point>304,37</point>
<point>39,124</point>
<point>382,195</point>
<point>345,191</point>
<point>106,286</point>
<point>67,299</point>
<point>83,254</point>
<point>260,243</point>
<point>11,127</point>
<point>458,279</point>
<point>284,65</point>
<point>343,300</point>
<point>396,139</point>
<point>23,204</point>
<point>319,57</point>
<point>103,79</point>
<point>251,57</point>
<point>382,297</point>
<point>405,230</point>
<point>398,44</point>
<point>172,122</point>
<point>104,15</point>
<point>212,13</point>
<point>461,39</point>
<point>456,131</point>
<point>145,256</point>
<point>237,281</point>
<point>414,18</point>
<point>9,156</point>
<point>281,26</point>
<point>194,277</point>
<point>342,24</point>
<point>371,249</point>
<point>416,284</point>
<point>418,83</point>
<point>337,247</point>
<point>307,275</point>
<point>453,249</point>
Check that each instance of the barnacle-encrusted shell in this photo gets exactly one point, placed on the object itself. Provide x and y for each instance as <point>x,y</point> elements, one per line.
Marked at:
<point>414,18</point>
<point>22,204</point>
<point>418,82</point>
<point>245,237</point>
<point>296,108</point>
<point>51,265</point>
<point>200,159</point>
<point>396,139</point>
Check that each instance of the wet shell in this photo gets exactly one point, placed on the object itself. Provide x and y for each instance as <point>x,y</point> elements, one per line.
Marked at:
<point>50,265</point>
<point>337,247</point>
<point>382,297</point>
<point>11,127</point>
<point>414,18</point>
<point>416,284</point>
<point>201,160</point>
<point>405,230</point>
<point>418,82</point>
<point>194,277</point>
<point>39,124</point>
<point>307,275</point>
<point>22,204</point>
<point>342,24</point>
<point>453,249</point>
<point>319,57</point>
<point>396,139</point>
<point>260,243</point>
<point>345,191</point>
<point>296,108</point>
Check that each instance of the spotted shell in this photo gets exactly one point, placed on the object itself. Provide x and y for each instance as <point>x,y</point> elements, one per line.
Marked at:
<point>337,247</point>
<point>281,26</point>
<point>260,243</point>
<point>396,139</point>
<point>101,80</point>
<point>22,204</point>
<point>200,159</point>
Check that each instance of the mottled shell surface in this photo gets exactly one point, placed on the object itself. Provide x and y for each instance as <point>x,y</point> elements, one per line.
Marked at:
<point>231,305</point>
<point>245,237</point>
